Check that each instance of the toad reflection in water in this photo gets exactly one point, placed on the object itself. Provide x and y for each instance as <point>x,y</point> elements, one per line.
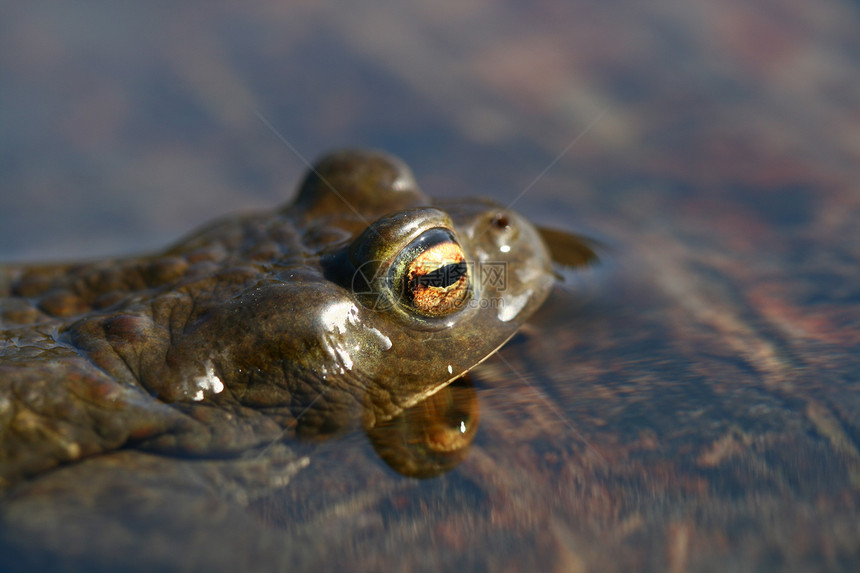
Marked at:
<point>256,328</point>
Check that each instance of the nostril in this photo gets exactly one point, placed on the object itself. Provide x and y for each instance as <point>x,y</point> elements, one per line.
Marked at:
<point>501,221</point>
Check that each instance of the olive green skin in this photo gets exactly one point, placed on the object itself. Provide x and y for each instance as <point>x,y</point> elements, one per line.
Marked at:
<point>251,328</point>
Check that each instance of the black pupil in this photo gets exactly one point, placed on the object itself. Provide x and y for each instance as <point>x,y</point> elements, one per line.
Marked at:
<point>444,276</point>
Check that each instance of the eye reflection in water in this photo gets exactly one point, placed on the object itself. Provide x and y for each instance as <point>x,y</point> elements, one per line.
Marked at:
<point>431,437</point>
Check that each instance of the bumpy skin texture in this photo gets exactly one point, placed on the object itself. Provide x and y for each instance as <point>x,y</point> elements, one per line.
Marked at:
<point>254,325</point>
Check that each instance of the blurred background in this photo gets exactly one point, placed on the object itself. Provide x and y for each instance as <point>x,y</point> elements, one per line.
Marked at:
<point>123,125</point>
<point>698,409</point>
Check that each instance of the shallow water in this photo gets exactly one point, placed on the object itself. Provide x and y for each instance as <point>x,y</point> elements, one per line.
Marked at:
<point>690,404</point>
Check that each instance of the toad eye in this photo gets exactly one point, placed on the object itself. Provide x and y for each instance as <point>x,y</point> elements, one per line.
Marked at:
<point>431,275</point>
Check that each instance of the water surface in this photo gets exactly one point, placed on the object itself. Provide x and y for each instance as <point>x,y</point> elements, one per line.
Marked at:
<point>691,404</point>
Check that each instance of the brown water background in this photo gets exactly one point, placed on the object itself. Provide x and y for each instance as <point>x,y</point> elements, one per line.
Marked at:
<point>692,404</point>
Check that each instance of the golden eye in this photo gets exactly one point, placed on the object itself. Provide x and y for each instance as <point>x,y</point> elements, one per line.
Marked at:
<point>432,276</point>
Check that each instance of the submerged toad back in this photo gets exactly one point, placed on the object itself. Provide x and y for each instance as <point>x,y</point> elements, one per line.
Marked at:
<point>352,303</point>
